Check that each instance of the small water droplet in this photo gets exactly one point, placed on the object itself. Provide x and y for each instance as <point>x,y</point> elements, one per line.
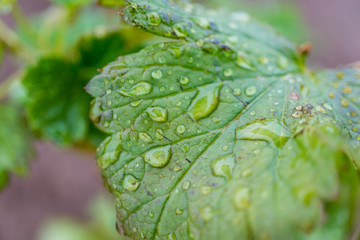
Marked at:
<point>179,211</point>
<point>223,166</point>
<point>246,173</point>
<point>158,157</point>
<point>185,148</point>
<point>202,22</point>
<point>154,19</point>
<point>283,62</point>
<point>158,114</point>
<point>139,89</point>
<point>252,113</point>
<point>250,91</point>
<point>156,74</point>
<point>184,80</point>
<point>206,213</point>
<point>205,190</point>
<point>237,91</point>
<point>186,185</point>
<point>180,129</point>
<point>151,214</point>
<point>176,169</point>
<point>228,72</point>
<point>135,103</point>
<point>263,60</point>
<point>159,134</point>
<point>344,102</point>
<point>241,199</point>
<point>216,120</point>
<point>180,30</point>
<point>130,183</point>
<point>145,137</point>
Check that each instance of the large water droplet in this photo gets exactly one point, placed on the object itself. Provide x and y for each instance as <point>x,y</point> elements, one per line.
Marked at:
<point>156,74</point>
<point>180,30</point>
<point>139,89</point>
<point>158,114</point>
<point>130,183</point>
<point>250,91</point>
<point>204,104</point>
<point>154,19</point>
<point>158,157</point>
<point>241,199</point>
<point>180,129</point>
<point>272,131</point>
<point>205,190</point>
<point>184,80</point>
<point>241,62</point>
<point>223,166</point>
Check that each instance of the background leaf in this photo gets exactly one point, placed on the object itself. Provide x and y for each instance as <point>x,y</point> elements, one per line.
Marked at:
<point>72,3</point>
<point>6,5</point>
<point>15,149</point>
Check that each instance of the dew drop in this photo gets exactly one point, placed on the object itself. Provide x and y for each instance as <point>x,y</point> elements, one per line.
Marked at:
<point>145,137</point>
<point>176,169</point>
<point>179,211</point>
<point>130,183</point>
<point>139,89</point>
<point>180,129</point>
<point>252,113</point>
<point>154,19</point>
<point>185,148</point>
<point>241,199</point>
<point>184,80</point>
<point>263,60</point>
<point>228,72</point>
<point>202,22</point>
<point>237,91</point>
<point>344,102</point>
<point>204,104</point>
<point>158,114</point>
<point>180,30</point>
<point>151,214</point>
<point>158,157</point>
<point>156,74</point>
<point>223,166</point>
<point>246,173</point>
<point>159,134</point>
<point>186,185</point>
<point>205,190</point>
<point>135,104</point>
<point>283,62</point>
<point>206,213</point>
<point>250,91</point>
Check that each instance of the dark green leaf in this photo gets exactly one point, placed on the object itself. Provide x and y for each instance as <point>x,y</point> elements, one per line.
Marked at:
<point>15,144</point>
<point>225,135</point>
<point>111,3</point>
<point>72,3</point>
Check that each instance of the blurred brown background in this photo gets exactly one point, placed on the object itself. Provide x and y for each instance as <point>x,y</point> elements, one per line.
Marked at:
<point>62,182</point>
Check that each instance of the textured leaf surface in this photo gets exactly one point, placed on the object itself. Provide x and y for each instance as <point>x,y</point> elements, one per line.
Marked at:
<point>225,135</point>
<point>15,147</point>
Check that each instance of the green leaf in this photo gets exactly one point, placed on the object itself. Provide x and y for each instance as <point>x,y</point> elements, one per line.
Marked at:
<point>6,5</point>
<point>225,134</point>
<point>58,106</point>
<point>111,3</point>
<point>72,3</point>
<point>15,147</point>
<point>99,227</point>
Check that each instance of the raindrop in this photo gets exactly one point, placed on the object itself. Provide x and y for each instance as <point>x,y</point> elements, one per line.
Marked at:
<point>206,213</point>
<point>179,30</point>
<point>250,91</point>
<point>154,18</point>
<point>145,137</point>
<point>228,72</point>
<point>184,80</point>
<point>158,114</point>
<point>158,157</point>
<point>205,190</point>
<point>180,129</point>
<point>186,185</point>
<point>159,134</point>
<point>223,166</point>
<point>156,74</point>
<point>237,91</point>
<point>241,199</point>
<point>130,183</point>
<point>139,89</point>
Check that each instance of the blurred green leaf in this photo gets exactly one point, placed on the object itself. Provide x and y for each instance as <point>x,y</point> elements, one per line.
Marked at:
<point>99,227</point>
<point>6,5</point>
<point>57,105</point>
<point>72,3</point>
<point>15,143</point>
<point>111,3</point>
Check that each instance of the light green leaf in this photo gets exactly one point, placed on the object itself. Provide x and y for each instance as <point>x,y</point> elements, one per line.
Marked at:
<point>225,135</point>
<point>72,3</point>
<point>6,5</point>
<point>15,144</point>
<point>99,227</point>
<point>111,3</point>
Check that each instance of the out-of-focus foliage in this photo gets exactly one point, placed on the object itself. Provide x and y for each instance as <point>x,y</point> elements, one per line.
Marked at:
<point>6,5</point>
<point>15,147</point>
<point>111,3</point>
<point>284,16</point>
<point>72,3</point>
<point>100,226</point>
